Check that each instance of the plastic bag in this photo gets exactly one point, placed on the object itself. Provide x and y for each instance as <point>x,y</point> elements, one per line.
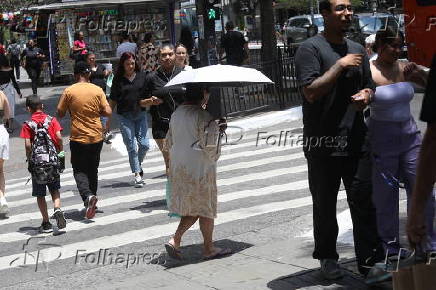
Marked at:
<point>109,84</point>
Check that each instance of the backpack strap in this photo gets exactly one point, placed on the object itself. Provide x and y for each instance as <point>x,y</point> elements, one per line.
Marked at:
<point>32,125</point>
<point>47,122</point>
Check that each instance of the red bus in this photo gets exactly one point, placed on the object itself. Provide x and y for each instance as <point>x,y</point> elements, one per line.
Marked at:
<point>420,28</point>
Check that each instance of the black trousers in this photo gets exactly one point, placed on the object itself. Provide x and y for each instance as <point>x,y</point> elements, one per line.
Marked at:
<point>85,159</point>
<point>15,64</point>
<point>34,74</point>
<point>325,174</point>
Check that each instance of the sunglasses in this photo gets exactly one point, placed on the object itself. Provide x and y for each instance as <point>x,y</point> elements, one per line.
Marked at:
<point>342,7</point>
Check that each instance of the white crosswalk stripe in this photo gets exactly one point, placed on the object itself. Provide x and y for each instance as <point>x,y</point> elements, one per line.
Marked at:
<point>137,236</point>
<point>240,165</point>
<point>266,162</point>
<point>67,178</point>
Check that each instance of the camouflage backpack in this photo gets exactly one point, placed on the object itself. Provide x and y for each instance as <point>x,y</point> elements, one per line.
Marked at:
<point>43,160</point>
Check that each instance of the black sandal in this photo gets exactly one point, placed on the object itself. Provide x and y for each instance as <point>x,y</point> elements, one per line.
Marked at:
<point>173,252</point>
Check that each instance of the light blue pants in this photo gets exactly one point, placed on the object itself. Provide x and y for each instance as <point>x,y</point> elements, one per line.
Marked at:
<point>134,129</point>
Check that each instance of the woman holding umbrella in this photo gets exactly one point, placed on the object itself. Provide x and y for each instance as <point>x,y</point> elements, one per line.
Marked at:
<point>194,148</point>
<point>192,145</point>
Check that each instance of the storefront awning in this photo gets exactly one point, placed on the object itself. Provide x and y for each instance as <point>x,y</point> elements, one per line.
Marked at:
<point>78,4</point>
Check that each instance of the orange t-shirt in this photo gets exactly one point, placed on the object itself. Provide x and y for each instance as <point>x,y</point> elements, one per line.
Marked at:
<point>85,102</point>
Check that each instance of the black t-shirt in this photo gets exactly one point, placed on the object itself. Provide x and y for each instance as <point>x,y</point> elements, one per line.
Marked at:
<point>171,97</point>
<point>98,77</point>
<point>233,43</point>
<point>127,94</point>
<point>31,54</point>
<point>428,109</point>
<point>322,118</point>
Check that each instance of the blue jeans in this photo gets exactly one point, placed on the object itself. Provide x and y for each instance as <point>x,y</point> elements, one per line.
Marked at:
<point>133,128</point>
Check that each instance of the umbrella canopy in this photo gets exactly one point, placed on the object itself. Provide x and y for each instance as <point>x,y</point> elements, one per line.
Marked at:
<point>220,76</point>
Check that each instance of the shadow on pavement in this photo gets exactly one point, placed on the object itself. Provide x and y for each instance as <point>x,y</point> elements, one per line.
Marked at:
<point>192,254</point>
<point>312,279</point>
<point>152,205</point>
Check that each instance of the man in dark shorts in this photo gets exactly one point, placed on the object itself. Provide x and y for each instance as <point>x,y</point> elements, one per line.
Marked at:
<point>335,78</point>
<point>161,114</point>
<point>35,108</point>
<point>426,174</point>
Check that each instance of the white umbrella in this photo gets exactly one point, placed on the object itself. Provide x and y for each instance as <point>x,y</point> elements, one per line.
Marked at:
<point>220,76</point>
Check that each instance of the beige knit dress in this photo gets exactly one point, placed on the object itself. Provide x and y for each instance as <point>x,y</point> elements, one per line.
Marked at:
<point>192,144</point>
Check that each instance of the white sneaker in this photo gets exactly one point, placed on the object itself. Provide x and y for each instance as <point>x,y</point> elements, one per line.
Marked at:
<point>4,206</point>
<point>139,182</point>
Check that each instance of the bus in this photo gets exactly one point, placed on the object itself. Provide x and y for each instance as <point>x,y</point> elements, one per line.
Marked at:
<point>420,28</point>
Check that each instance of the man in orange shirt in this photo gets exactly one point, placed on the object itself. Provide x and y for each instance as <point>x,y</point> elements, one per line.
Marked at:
<point>85,102</point>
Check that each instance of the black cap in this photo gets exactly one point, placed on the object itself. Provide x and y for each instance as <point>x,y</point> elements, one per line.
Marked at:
<point>81,67</point>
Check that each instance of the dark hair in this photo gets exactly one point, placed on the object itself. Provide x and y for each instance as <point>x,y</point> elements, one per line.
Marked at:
<point>125,35</point>
<point>186,39</point>
<point>325,5</point>
<point>166,45</point>
<point>88,54</point>
<point>34,103</point>
<point>386,36</point>
<point>13,40</point>
<point>120,70</point>
<point>4,62</point>
<point>82,68</point>
<point>230,25</point>
<point>148,36</point>
<point>76,35</point>
<point>194,93</point>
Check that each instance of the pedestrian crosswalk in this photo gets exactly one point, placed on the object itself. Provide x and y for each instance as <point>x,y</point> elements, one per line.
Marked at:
<point>252,181</point>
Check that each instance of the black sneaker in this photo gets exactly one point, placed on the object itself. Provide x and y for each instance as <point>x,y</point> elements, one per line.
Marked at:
<point>60,219</point>
<point>46,228</point>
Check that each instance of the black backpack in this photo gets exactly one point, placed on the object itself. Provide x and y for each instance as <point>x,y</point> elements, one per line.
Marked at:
<point>43,160</point>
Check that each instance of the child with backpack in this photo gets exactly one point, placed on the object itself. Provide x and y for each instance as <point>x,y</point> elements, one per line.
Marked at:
<point>45,155</point>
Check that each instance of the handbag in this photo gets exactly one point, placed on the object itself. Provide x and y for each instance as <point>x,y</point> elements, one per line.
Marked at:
<point>421,275</point>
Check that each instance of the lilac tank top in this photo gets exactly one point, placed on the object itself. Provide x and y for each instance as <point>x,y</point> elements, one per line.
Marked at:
<point>392,102</point>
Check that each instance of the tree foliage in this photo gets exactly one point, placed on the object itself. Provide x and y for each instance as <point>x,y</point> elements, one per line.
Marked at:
<point>16,5</point>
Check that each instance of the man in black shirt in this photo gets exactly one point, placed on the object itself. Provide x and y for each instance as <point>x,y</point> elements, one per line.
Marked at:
<point>426,175</point>
<point>235,46</point>
<point>334,75</point>
<point>161,114</point>
<point>33,61</point>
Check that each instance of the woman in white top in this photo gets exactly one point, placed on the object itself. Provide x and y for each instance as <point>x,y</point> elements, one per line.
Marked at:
<point>4,149</point>
<point>182,57</point>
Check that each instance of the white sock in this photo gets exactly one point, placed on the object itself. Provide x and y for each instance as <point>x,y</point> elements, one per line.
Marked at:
<point>3,200</point>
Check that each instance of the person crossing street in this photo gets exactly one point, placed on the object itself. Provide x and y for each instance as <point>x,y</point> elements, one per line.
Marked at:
<point>86,103</point>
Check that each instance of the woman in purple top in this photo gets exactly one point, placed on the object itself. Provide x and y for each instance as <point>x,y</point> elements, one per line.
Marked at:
<point>394,137</point>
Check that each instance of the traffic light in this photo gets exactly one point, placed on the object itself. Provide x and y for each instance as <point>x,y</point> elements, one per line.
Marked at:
<point>213,13</point>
